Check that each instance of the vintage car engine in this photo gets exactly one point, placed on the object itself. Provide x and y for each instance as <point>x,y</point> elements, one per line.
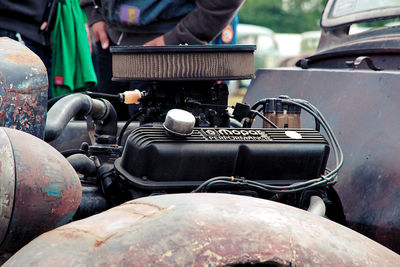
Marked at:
<point>154,160</point>
<point>206,100</point>
<point>183,137</point>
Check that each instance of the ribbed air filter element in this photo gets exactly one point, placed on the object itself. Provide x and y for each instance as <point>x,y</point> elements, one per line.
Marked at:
<point>191,62</point>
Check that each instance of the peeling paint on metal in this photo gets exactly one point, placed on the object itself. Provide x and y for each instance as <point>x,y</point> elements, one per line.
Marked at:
<point>53,190</point>
<point>23,89</point>
<point>7,184</point>
<point>44,197</point>
<point>204,230</point>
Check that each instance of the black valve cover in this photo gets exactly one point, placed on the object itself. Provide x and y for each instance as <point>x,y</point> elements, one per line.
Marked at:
<point>153,160</point>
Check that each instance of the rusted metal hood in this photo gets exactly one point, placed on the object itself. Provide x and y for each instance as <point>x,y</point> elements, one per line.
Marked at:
<point>203,230</point>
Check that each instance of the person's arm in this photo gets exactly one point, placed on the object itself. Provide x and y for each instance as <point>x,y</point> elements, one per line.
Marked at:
<point>199,27</point>
<point>204,23</point>
<point>96,22</point>
<point>93,12</point>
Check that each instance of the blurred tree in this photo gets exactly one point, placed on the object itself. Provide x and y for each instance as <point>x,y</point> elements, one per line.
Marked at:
<point>285,16</point>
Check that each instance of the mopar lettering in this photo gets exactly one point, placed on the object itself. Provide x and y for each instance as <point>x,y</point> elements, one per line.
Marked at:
<point>229,132</point>
<point>255,132</point>
<point>225,132</point>
<point>236,132</point>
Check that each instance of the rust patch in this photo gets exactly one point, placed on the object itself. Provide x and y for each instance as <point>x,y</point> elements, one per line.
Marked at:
<point>73,234</point>
<point>204,230</point>
<point>21,57</point>
<point>141,208</point>
<point>26,91</point>
<point>35,210</point>
<point>99,229</point>
<point>99,243</point>
<point>78,234</point>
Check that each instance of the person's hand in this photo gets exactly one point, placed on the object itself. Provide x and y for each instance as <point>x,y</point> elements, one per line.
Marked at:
<point>159,41</point>
<point>100,34</point>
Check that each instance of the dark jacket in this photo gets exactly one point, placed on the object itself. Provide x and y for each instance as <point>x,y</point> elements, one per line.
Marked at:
<point>199,26</point>
<point>26,18</point>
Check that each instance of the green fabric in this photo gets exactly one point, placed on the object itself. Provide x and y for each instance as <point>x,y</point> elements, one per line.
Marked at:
<point>72,66</point>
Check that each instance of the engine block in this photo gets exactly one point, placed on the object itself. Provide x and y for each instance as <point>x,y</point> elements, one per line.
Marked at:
<point>154,160</point>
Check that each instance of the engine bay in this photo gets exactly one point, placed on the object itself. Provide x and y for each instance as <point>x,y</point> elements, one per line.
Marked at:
<point>182,136</point>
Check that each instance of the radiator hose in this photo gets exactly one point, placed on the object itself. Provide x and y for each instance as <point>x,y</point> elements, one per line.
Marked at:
<point>101,110</point>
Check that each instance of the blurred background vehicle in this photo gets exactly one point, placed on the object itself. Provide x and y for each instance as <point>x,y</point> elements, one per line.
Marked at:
<point>309,42</point>
<point>267,54</point>
<point>302,45</point>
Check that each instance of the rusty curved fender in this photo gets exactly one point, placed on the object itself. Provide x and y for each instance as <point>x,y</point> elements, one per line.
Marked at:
<point>203,230</point>
<point>39,189</point>
<point>23,88</point>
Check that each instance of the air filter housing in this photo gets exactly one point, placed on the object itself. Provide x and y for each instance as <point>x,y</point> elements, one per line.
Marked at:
<point>185,62</point>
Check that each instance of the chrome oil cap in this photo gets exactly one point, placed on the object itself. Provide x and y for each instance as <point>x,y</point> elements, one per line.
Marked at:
<point>179,122</point>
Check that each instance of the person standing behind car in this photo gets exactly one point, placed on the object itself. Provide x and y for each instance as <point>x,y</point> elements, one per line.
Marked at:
<point>152,23</point>
<point>29,22</point>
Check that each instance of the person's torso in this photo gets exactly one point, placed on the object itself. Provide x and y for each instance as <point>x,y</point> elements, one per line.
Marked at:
<point>25,17</point>
<point>146,16</point>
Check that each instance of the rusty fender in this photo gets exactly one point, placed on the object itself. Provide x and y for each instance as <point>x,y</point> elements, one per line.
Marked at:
<point>203,230</point>
<point>39,189</point>
<point>23,88</point>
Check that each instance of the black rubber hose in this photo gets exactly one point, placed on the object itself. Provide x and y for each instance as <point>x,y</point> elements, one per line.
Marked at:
<point>93,202</point>
<point>63,111</point>
<point>82,164</point>
<point>108,125</point>
<point>103,95</point>
<point>132,118</point>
